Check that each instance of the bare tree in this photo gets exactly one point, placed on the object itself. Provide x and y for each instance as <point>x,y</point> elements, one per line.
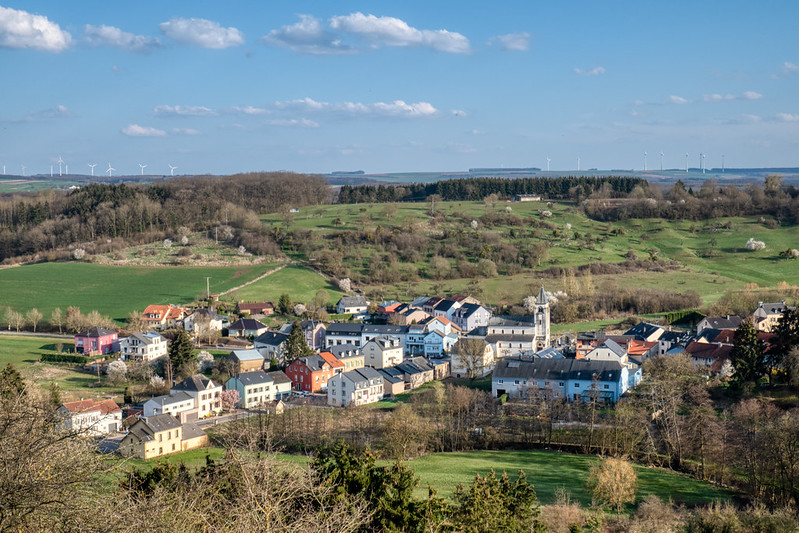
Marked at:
<point>57,319</point>
<point>613,482</point>
<point>33,317</point>
<point>470,354</point>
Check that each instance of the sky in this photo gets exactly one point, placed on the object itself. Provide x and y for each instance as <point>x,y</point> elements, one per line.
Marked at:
<point>239,86</point>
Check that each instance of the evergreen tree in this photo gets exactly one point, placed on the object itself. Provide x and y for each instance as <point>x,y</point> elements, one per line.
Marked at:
<point>296,345</point>
<point>748,354</point>
<point>181,350</point>
<point>284,304</point>
<point>11,383</point>
<point>787,332</point>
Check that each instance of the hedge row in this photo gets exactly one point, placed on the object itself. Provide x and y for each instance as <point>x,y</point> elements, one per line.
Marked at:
<point>64,358</point>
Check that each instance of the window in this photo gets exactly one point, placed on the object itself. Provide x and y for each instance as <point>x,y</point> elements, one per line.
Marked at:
<point>173,446</point>
<point>576,385</point>
<point>607,386</point>
<point>159,437</point>
<point>160,451</point>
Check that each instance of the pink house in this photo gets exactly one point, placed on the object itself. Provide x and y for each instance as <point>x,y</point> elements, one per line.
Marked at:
<point>95,340</point>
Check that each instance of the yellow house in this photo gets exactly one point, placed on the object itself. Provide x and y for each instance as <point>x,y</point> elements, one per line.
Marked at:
<point>152,437</point>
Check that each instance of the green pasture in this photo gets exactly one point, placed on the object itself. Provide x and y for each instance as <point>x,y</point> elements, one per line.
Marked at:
<point>114,291</point>
<point>300,283</point>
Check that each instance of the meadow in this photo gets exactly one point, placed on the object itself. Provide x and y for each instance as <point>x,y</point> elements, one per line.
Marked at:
<point>299,282</point>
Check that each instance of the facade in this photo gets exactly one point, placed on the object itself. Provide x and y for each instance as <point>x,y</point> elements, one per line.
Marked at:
<point>382,352</point>
<point>272,345</point>
<point>160,435</point>
<point>470,316</point>
<point>352,305</point>
<point>767,315</point>
<point>356,387</point>
<point>205,393</point>
<point>311,374</point>
<point>162,316</point>
<point>246,360</point>
<point>92,417</point>
<point>143,347</point>
<point>282,384</point>
<point>255,389</point>
<point>572,379</point>
<point>246,327</point>
<point>719,322</point>
<point>459,365</point>
<point>312,330</point>
<point>95,341</point>
<point>203,318</point>
<point>180,405</point>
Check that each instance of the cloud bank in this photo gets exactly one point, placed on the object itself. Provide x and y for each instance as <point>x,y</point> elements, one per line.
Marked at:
<point>20,29</point>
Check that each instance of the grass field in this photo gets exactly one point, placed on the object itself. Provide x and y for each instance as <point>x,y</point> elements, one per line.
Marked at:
<point>298,282</point>
<point>113,291</point>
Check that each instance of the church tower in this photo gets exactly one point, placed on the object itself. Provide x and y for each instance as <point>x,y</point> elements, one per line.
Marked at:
<point>541,321</point>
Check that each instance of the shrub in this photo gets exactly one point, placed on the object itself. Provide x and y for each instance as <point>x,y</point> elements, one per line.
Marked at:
<point>754,245</point>
<point>64,358</point>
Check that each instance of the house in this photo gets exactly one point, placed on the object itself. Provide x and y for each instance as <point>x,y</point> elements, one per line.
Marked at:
<point>609,350</point>
<point>709,356</point>
<point>255,308</point>
<point>719,322</point>
<point>272,345</point>
<point>767,315</point>
<point>246,327</point>
<point>143,347</point>
<point>162,316</point>
<point>437,344</point>
<point>393,381</point>
<point>356,387</point>
<point>341,333</point>
<point>255,389</point>
<point>536,325</point>
<point>466,365</point>
<point>416,372</point>
<point>446,308</point>
<point>311,374</point>
<point>180,405</point>
<point>160,435</point>
<point>95,341</point>
<point>91,417</point>
<point>312,330</point>
<point>470,316</point>
<point>282,384</point>
<point>572,379</point>
<point>205,392</point>
<point>645,331</point>
<point>351,305</point>
<point>441,368</point>
<point>246,360</point>
<point>203,320</point>
<point>382,352</point>
<point>350,361</point>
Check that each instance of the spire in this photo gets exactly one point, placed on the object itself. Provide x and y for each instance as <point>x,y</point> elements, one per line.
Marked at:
<point>542,298</point>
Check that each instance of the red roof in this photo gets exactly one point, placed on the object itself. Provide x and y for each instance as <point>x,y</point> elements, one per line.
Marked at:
<point>85,406</point>
<point>163,312</point>
<point>331,360</point>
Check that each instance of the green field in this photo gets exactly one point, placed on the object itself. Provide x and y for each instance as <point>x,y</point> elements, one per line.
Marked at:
<point>298,282</point>
<point>113,291</point>
<point>551,472</point>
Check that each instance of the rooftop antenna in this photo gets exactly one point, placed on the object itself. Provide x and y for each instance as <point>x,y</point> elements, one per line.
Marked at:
<point>110,168</point>
<point>92,165</point>
<point>686,162</point>
<point>171,170</point>
<point>548,160</point>
<point>142,168</point>
<point>60,162</point>
<point>661,161</point>
<point>645,169</point>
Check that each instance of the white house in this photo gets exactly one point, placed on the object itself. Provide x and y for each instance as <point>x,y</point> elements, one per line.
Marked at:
<point>356,387</point>
<point>179,405</point>
<point>203,318</point>
<point>352,305</point>
<point>254,388</point>
<point>205,392</point>
<point>282,384</point>
<point>382,352</point>
<point>459,367</point>
<point>92,417</point>
<point>143,346</point>
<point>247,327</point>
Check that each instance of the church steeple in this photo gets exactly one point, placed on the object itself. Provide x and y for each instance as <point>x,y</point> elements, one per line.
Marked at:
<point>542,298</point>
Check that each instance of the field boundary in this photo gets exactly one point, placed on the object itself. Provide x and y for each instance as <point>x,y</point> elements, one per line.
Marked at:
<point>259,278</point>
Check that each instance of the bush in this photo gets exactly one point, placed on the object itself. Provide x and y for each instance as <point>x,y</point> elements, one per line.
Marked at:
<point>64,358</point>
<point>754,245</point>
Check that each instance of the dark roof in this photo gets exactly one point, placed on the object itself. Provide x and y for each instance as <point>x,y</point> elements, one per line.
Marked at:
<point>353,301</point>
<point>384,329</point>
<point>445,305</point>
<point>468,310</point>
<point>363,377</point>
<point>168,399</point>
<point>190,431</point>
<point>246,323</point>
<point>311,324</point>
<point>195,383</point>
<point>558,369</point>
<point>479,331</point>
<point>724,322</point>
<point>675,337</point>
<point>271,338</point>
<point>342,328</point>
<point>96,331</point>
<point>614,347</point>
<point>253,378</point>
<point>542,297</point>
<point>278,377</point>
<point>389,376</point>
<point>343,350</point>
<point>512,320</point>
<point>708,350</point>
<point>314,362</point>
<point>642,330</point>
<point>158,423</point>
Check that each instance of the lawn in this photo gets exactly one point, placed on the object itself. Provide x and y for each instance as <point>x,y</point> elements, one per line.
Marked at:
<point>300,283</point>
<point>551,472</point>
<point>114,291</point>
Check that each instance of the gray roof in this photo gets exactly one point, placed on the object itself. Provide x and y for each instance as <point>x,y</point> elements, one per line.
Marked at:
<point>353,301</point>
<point>363,377</point>
<point>642,330</point>
<point>491,339</point>
<point>148,337</point>
<point>558,369</point>
<point>468,310</point>
<point>253,378</point>
<point>96,331</point>
<point>246,355</point>
<point>158,423</point>
<point>385,342</point>
<point>279,377</point>
<point>246,324</point>
<point>342,350</point>
<point>271,338</point>
<point>342,328</point>
<point>724,322</point>
<point>207,314</point>
<point>191,431</point>
<point>169,399</point>
<point>550,353</point>
<point>195,383</point>
<point>512,320</point>
<point>391,377</point>
<point>445,305</point>
<point>542,297</point>
<point>614,347</point>
<point>384,329</point>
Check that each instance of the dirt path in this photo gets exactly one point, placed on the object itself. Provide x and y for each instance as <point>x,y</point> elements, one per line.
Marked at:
<point>259,278</point>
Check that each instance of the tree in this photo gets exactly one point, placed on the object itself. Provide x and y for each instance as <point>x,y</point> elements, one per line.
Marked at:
<point>497,504</point>
<point>787,338</point>
<point>613,482</point>
<point>181,351</point>
<point>57,319</point>
<point>117,371</point>
<point>345,285</point>
<point>74,320</point>
<point>15,319</point>
<point>11,383</point>
<point>229,399</point>
<point>296,345</point>
<point>469,352</point>
<point>135,323</point>
<point>33,317</point>
<point>206,361</point>
<point>321,299</point>
<point>299,309</point>
<point>284,304</point>
<point>747,354</point>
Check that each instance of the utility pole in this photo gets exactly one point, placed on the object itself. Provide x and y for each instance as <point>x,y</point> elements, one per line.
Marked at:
<point>208,289</point>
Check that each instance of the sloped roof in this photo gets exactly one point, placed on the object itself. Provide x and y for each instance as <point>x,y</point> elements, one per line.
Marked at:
<point>254,378</point>
<point>165,312</point>
<point>542,297</point>
<point>643,330</point>
<point>85,406</point>
<point>246,355</point>
<point>353,301</point>
<point>195,383</point>
<point>170,399</point>
<point>158,423</point>
<point>191,431</point>
<point>271,338</point>
<point>96,331</point>
<point>363,377</point>
<point>558,369</point>
<point>254,306</point>
<point>724,322</point>
<point>279,377</point>
<point>343,328</point>
<point>246,324</point>
<point>331,359</point>
<point>203,313</point>
<point>149,337</point>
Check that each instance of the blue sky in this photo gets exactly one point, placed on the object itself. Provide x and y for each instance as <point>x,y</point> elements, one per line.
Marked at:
<point>225,87</point>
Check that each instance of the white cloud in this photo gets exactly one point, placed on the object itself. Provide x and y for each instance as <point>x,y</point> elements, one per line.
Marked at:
<point>751,118</point>
<point>185,131</point>
<point>458,113</point>
<point>58,111</point>
<point>183,111</point>
<point>391,31</point>
<point>20,29</point>
<point>517,42</point>
<point>249,110</point>
<point>111,36</point>
<point>788,117</point>
<point>201,32</point>
<point>677,100</point>
<point>748,95</point>
<point>302,122</point>
<point>789,67</point>
<point>751,95</point>
<point>309,37</point>
<point>397,108</point>
<point>596,71</point>
<point>134,130</point>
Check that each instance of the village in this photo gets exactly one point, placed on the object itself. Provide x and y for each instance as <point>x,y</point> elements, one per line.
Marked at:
<point>375,356</point>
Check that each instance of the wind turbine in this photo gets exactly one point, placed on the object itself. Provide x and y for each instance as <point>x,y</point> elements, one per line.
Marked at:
<point>548,160</point>
<point>4,169</point>
<point>92,165</point>
<point>60,162</point>
<point>142,168</point>
<point>66,168</point>
<point>686,162</point>
<point>110,168</point>
<point>703,162</point>
<point>722,163</point>
<point>645,169</point>
<point>171,170</point>
<point>578,164</point>
<point>661,161</point>
<point>51,171</point>
<point>23,169</point>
